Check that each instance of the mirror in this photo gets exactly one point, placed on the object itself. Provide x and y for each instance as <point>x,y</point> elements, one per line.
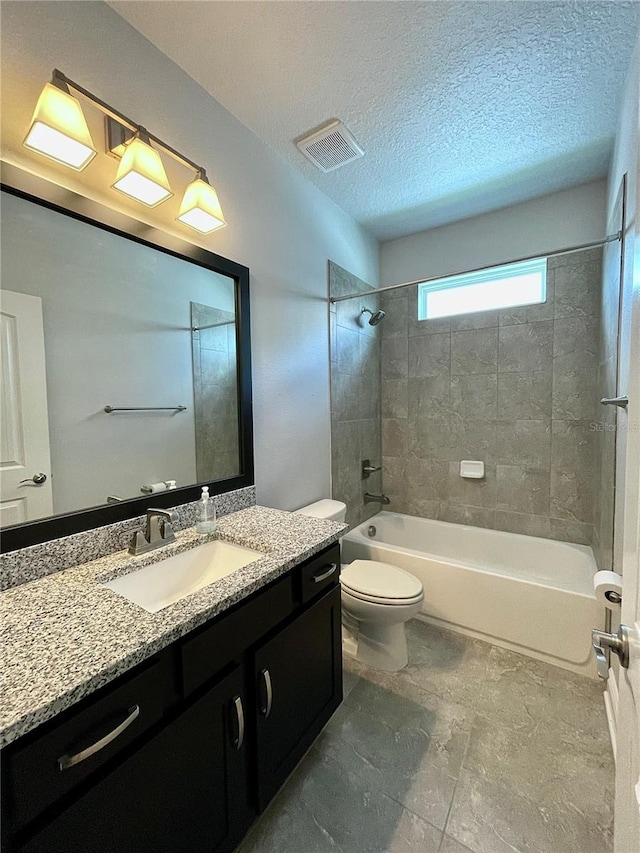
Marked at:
<point>124,366</point>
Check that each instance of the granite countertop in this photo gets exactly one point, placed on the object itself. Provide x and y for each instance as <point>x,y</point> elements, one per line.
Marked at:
<point>65,635</point>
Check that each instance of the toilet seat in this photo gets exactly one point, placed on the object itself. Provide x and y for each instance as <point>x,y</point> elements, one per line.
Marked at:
<point>380,583</point>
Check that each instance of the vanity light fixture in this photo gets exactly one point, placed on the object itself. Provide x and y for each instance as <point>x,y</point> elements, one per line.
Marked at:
<point>141,173</point>
<point>200,208</point>
<point>59,130</point>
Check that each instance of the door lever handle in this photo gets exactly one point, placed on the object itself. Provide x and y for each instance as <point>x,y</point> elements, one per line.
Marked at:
<point>37,479</point>
<point>616,643</point>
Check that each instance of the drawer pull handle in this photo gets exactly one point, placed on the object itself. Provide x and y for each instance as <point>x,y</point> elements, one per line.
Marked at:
<point>68,761</point>
<point>239,740</point>
<point>265,710</point>
<point>325,575</point>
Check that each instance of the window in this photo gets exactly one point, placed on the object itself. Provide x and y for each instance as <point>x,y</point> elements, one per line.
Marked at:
<point>499,287</point>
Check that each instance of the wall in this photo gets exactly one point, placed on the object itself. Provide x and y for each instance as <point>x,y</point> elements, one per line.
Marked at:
<point>553,221</point>
<point>513,388</point>
<point>355,395</point>
<point>280,226</point>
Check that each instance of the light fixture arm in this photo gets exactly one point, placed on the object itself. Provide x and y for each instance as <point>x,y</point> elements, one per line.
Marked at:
<point>61,80</point>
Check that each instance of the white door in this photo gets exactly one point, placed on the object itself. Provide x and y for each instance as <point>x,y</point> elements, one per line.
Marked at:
<point>25,462</point>
<point>627,797</point>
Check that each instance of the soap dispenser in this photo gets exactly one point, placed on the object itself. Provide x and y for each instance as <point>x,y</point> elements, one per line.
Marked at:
<point>206,522</point>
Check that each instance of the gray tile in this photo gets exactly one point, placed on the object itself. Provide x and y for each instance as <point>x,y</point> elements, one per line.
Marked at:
<point>348,314</point>
<point>450,845</point>
<point>527,525</point>
<point>410,749</point>
<point>429,396</point>
<point>394,358</point>
<point>395,323</point>
<point>574,393</point>
<point>453,439</point>
<point>569,530</point>
<point>477,320</point>
<point>476,493</point>
<point>523,489</point>
<point>394,481</point>
<point>575,354</point>
<point>524,396</point>
<point>447,664</point>
<point>525,348</point>
<point>526,694</point>
<point>348,351</point>
<point>579,779</point>
<point>491,819</point>
<point>471,515</point>
<point>370,441</point>
<point>475,396</point>
<point>420,506</point>
<point>474,351</point>
<point>395,401</point>
<point>344,396</point>
<point>394,436</point>
<point>572,471</point>
<point>524,442</point>
<point>368,397</point>
<point>430,355</point>
<point>578,289</point>
<point>429,479</point>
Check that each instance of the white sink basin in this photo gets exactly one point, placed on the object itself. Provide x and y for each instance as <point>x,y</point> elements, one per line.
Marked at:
<point>161,584</point>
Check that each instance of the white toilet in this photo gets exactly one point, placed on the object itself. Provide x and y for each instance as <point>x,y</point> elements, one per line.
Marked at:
<point>377,599</point>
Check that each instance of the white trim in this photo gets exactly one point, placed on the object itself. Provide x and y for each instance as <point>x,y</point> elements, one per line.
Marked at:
<point>611,707</point>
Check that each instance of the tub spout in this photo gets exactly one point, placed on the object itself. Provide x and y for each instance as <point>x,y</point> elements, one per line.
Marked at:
<point>376,499</point>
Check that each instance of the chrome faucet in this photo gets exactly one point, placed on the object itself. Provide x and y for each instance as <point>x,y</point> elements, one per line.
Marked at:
<point>376,499</point>
<point>158,531</point>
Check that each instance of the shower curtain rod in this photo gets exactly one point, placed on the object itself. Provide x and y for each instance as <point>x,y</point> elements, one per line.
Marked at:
<point>580,248</point>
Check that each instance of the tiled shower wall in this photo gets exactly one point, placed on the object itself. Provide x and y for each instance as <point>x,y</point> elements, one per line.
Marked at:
<point>355,395</point>
<point>215,387</point>
<point>607,416</point>
<point>515,389</point>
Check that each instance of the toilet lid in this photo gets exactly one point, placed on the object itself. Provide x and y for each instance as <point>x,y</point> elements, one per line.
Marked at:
<point>380,580</point>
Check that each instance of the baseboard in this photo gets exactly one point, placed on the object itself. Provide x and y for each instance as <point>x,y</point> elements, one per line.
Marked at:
<point>611,707</point>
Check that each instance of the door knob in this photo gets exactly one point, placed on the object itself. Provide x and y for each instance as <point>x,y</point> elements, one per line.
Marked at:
<point>37,479</point>
<point>617,643</point>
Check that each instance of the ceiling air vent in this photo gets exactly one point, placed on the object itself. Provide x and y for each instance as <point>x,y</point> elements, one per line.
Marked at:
<point>330,147</point>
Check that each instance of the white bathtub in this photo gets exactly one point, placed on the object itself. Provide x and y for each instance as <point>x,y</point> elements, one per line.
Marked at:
<point>531,595</point>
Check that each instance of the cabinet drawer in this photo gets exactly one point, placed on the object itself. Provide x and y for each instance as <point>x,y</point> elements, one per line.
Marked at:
<point>80,742</point>
<point>320,573</point>
<point>215,646</point>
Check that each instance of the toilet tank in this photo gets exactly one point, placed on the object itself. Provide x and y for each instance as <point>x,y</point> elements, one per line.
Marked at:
<point>326,508</point>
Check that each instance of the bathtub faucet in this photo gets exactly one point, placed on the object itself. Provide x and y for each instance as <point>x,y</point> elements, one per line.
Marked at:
<point>376,499</point>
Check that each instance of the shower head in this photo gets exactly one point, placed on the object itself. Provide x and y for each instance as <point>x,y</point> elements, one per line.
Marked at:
<point>375,316</point>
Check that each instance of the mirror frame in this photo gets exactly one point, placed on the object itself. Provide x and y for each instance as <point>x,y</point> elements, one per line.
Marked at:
<point>53,527</point>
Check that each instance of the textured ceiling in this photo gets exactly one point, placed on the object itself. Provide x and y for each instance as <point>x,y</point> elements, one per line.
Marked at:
<point>461,107</point>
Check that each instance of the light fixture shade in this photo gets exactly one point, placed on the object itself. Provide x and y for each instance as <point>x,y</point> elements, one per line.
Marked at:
<point>59,129</point>
<point>200,208</point>
<point>141,174</point>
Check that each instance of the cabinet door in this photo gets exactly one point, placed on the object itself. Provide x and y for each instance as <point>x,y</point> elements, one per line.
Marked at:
<point>184,791</point>
<point>299,685</point>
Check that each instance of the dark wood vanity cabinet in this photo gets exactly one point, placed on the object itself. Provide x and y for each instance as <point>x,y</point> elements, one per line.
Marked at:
<point>298,676</point>
<point>224,715</point>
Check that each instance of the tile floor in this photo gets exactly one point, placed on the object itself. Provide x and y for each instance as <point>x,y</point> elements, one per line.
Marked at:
<point>470,749</point>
